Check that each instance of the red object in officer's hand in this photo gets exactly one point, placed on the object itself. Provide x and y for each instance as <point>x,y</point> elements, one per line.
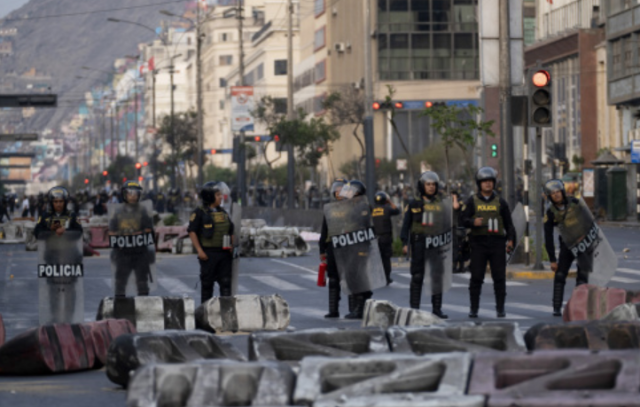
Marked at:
<point>322,275</point>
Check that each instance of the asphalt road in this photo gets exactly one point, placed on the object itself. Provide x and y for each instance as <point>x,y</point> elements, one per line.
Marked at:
<point>528,302</point>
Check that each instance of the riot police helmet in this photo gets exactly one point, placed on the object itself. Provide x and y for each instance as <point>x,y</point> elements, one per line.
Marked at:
<point>57,193</point>
<point>336,187</point>
<point>425,178</point>
<point>486,174</point>
<point>353,189</point>
<point>555,185</point>
<point>131,189</point>
<point>209,190</point>
<point>381,198</point>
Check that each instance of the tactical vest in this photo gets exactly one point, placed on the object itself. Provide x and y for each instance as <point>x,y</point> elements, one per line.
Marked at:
<point>129,222</point>
<point>215,225</point>
<point>428,218</point>
<point>52,218</point>
<point>381,220</point>
<point>567,216</point>
<point>489,211</point>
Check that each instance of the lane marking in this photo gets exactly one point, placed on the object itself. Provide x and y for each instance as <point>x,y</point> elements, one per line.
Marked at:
<point>308,270</point>
<point>308,311</point>
<point>625,280</point>
<point>629,271</point>
<point>278,283</point>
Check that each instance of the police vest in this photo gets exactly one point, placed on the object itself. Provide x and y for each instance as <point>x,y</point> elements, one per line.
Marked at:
<point>214,226</point>
<point>160,198</point>
<point>129,222</point>
<point>428,218</point>
<point>567,216</point>
<point>489,211</point>
<point>51,218</point>
<point>381,220</point>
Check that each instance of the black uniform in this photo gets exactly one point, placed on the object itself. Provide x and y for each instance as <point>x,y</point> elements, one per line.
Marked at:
<point>565,257</point>
<point>131,219</point>
<point>332,268</point>
<point>48,219</point>
<point>211,225</point>
<point>381,215</point>
<point>487,244</point>
<point>160,202</point>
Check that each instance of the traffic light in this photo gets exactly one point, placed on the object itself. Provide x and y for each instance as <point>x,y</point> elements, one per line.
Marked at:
<point>105,173</point>
<point>138,166</point>
<point>494,150</point>
<point>140,178</point>
<point>279,143</point>
<point>144,164</point>
<point>213,151</point>
<point>540,100</point>
<point>429,104</point>
<point>385,105</point>
<point>86,180</point>
<point>256,139</point>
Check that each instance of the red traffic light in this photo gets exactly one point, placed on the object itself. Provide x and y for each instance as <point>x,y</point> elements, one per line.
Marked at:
<point>105,173</point>
<point>428,104</point>
<point>541,78</point>
<point>144,164</point>
<point>257,138</point>
<point>399,105</point>
<point>86,180</point>
<point>376,106</point>
<point>140,179</point>
<point>276,138</point>
<point>138,166</point>
<point>213,151</point>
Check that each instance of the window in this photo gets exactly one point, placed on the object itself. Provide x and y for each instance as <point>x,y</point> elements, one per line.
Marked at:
<point>280,67</point>
<point>260,72</point>
<point>321,71</point>
<point>280,105</point>
<point>616,59</point>
<point>224,37</point>
<point>223,82</point>
<point>249,79</point>
<point>221,104</point>
<point>318,7</point>
<point>225,60</point>
<point>319,39</point>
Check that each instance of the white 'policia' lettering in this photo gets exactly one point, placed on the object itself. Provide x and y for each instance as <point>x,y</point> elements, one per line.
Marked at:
<point>433,242</point>
<point>60,270</point>
<point>352,238</point>
<point>586,243</point>
<point>121,242</point>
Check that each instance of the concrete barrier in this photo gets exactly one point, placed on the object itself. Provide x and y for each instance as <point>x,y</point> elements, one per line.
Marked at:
<point>568,378</point>
<point>415,317</point>
<point>244,313</point>
<point>460,337</point>
<point>593,335</point>
<point>14,232</point>
<point>99,236</point>
<point>150,313</point>
<point>103,333</point>
<point>379,313</point>
<point>294,346</point>
<point>333,380</point>
<point>212,383</point>
<point>590,302</point>
<point>624,312</point>
<point>48,349</point>
<point>166,236</point>
<point>129,352</point>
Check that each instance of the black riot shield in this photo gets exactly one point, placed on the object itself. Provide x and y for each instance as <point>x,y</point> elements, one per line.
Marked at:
<point>60,275</point>
<point>519,219</point>
<point>133,254</point>
<point>586,241</point>
<point>438,255</point>
<point>355,245</point>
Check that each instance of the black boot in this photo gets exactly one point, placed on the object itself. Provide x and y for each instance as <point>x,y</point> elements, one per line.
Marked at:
<point>334,299</point>
<point>500,297</point>
<point>474,299</point>
<point>558,294</point>
<point>358,310</point>
<point>436,303</point>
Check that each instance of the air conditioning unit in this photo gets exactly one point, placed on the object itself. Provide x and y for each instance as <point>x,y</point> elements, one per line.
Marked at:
<point>356,85</point>
<point>334,11</point>
<point>340,47</point>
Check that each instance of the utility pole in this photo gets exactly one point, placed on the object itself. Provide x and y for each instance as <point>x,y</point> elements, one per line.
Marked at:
<point>506,130</point>
<point>241,173</point>
<point>135,116</point>
<point>155,134</point>
<point>103,130</point>
<point>200,126</point>
<point>126,127</point>
<point>172,129</point>
<point>536,203</point>
<point>291,176</point>
<point>117,129</point>
<point>370,181</point>
<point>113,156</point>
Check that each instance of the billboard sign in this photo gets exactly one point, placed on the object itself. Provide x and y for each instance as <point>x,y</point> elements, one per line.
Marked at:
<point>241,107</point>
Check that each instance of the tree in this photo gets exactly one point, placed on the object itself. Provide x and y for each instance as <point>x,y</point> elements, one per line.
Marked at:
<point>182,142</point>
<point>457,127</point>
<point>388,101</point>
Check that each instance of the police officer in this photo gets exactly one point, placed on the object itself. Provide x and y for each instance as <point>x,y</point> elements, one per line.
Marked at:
<point>326,256</point>
<point>492,232</point>
<point>57,218</point>
<point>414,232</point>
<point>382,212</point>
<point>212,234</point>
<point>559,203</point>
<point>131,219</point>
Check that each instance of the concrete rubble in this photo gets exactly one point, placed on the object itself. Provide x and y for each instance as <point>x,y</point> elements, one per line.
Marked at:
<point>244,313</point>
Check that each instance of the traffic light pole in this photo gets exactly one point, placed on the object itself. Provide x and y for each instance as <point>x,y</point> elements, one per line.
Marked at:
<point>241,178</point>
<point>537,202</point>
<point>506,129</point>
<point>291,165</point>
<point>370,181</point>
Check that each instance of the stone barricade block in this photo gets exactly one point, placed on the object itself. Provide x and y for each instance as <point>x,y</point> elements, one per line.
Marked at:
<point>166,236</point>
<point>245,313</point>
<point>590,302</point>
<point>551,378</point>
<point>103,333</point>
<point>15,231</point>
<point>624,312</point>
<point>415,317</point>
<point>129,352</point>
<point>379,313</point>
<point>292,347</point>
<point>593,335</point>
<point>212,383</point>
<point>48,349</point>
<point>326,380</point>
<point>150,313</point>
<point>99,236</point>
<point>460,337</point>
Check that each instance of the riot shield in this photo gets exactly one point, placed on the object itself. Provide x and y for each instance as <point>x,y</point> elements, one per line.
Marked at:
<point>519,219</point>
<point>586,241</point>
<point>133,254</point>
<point>438,254</point>
<point>355,246</point>
<point>236,218</point>
<point>60,275</point>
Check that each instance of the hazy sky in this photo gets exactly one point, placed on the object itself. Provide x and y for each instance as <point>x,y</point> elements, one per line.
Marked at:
<point>7,6</point>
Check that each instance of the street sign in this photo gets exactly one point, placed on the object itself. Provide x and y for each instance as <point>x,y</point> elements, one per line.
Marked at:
<point>635,151</point>
<point>19,137</point>
<point>401,164</point>
<point>588,183</point>
<point>241,107</point>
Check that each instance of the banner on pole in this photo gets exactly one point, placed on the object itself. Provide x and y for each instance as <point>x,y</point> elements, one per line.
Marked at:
<point>241,107</point>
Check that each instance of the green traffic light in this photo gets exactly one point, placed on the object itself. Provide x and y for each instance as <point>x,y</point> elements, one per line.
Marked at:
<point>494,150</point>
